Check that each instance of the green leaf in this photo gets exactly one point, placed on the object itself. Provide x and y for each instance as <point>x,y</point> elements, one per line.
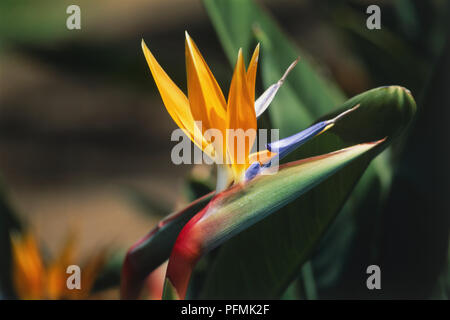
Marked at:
<point>169,292</point>
<point>304,96</point>
<point>152,250</point>
<point>415,221</point>
<point>299,102</point>
<point>263,260</point>
<point>239,207</point>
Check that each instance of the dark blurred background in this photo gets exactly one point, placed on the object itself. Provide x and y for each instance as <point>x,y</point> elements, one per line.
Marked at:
<point>81,122</point>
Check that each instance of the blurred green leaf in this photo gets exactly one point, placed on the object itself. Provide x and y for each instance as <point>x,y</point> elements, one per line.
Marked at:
<point>419,201</point>
<point>442,289</point>
<point>196,187</point>
<point>306,95</point>
<point>152,206</point>
<point>21,22</point>
<point>109,276</point>
<point>272,252</point>
<point>152,250</point>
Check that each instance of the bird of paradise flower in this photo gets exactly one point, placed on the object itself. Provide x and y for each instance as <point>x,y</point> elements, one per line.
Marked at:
<point>222,214</point>
<point>206,105</point>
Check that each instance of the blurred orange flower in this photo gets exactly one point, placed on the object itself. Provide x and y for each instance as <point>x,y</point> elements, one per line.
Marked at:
<point>33,279</point>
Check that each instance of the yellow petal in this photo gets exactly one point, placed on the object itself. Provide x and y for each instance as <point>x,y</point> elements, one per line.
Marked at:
<point>251,73</point>
<point>175,101</point>
<point>205,96</point>
<point>240,115</point>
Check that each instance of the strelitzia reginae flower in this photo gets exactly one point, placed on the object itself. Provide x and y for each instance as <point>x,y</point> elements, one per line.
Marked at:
<point>213,219</point>
<point>206,105</point>
<point>34,279</point>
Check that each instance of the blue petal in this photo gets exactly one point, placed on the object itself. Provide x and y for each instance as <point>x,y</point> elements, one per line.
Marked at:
<point>285,146</point>
<point>252,171</point>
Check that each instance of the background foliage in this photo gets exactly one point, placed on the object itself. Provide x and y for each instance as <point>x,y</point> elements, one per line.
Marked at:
<point>84,135</point>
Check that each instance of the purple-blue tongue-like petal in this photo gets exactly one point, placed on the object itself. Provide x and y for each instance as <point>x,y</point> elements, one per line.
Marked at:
<point>285,146</point>
<point>252,171</point>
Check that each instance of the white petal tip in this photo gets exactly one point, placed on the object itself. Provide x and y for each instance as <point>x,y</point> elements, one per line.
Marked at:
<point>291,66</point>
<point>343,114</point>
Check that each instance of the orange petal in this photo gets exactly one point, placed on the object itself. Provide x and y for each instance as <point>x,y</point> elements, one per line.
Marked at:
<point>251,73</point>
<point>174,100</point>
<point>261,156</point>
<point>28,268</point>
<point>241,118</point>
<point>205,96</point>
<point>56,274</point>
<point>56,282</point>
